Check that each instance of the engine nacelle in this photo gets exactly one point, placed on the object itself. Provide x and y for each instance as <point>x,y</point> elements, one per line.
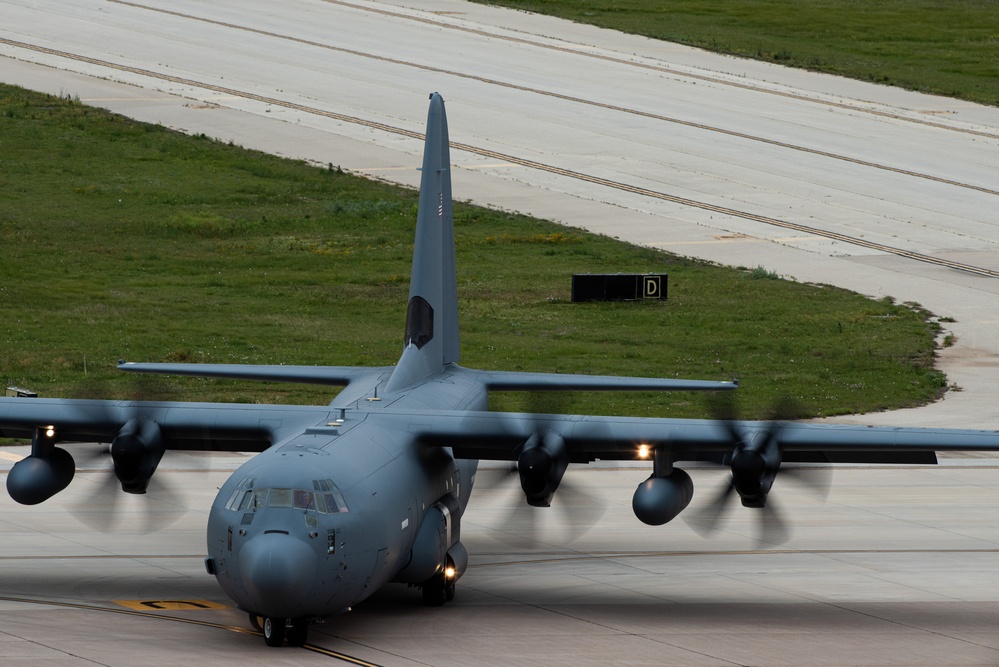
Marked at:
<point>542,463</point>
<point>658,500</point>
<point>35,479</point>
<point>136,451</point>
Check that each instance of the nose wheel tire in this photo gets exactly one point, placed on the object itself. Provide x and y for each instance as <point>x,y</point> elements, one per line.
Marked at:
<point>298,633</point>
<point>274,631</point>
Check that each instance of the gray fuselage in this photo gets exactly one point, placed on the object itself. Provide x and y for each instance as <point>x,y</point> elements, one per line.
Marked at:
<point>321,520</point>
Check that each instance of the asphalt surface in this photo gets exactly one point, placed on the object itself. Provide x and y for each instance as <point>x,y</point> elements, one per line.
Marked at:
<point>825,180</point>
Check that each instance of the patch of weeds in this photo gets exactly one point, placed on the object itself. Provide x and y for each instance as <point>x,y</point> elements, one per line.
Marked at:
<point>181,356</point>
<point>760,273</point>
<point>207,224</point>
<point>366,209</point>
<point>552,238</point>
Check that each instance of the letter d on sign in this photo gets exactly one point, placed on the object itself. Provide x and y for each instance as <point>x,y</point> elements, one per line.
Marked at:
<point>652,286</point>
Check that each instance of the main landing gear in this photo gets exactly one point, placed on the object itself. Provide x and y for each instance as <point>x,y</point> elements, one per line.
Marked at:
<point>277,630</point>
<point>439,588</point>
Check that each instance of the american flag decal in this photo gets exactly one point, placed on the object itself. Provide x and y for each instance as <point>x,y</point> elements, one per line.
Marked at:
<point>440,204</point>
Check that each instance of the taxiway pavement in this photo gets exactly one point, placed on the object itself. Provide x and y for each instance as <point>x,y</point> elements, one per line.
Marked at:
<point>895,567</point>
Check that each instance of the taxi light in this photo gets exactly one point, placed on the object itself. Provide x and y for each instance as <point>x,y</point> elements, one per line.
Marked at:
<point>49,431</point>
<point>449,573</point>
<point>643,451</point>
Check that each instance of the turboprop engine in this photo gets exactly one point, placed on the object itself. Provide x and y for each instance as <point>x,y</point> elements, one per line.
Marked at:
<point>542,463</point>
<point>136,451</point>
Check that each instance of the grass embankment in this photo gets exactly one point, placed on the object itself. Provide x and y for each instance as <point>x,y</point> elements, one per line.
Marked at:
<point>946,47</point>
<point>125,240</point>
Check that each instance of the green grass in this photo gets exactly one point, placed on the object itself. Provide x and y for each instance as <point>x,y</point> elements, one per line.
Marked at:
<point>125,240</point>
<point>946,47</point>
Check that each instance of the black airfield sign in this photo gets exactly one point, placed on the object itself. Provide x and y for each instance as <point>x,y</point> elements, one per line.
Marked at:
<point>618,286</point>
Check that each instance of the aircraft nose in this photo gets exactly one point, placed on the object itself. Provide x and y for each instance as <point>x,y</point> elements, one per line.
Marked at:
<point>279,573</point>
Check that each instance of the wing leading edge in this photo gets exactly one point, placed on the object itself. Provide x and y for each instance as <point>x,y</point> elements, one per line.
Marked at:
<point>193,426</point>
<point>498,435</point>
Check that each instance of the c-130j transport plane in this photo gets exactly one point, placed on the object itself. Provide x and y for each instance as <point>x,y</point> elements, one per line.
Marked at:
<point>371,489</point>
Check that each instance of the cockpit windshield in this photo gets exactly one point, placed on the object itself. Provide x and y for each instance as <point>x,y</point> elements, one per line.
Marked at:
<point>324,498</point>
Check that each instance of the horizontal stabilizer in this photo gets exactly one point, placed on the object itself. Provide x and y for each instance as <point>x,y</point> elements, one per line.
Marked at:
<point>323,375</point>
<point>522,381</point>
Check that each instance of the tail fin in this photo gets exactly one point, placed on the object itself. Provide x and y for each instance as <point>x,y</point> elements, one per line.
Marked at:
<point>432,315</point>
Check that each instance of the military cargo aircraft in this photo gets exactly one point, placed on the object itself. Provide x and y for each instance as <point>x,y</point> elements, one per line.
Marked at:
<point>371,489</point>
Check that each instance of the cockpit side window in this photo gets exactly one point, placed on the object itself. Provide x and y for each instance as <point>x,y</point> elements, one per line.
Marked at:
<point>245,501</point>
<point>234,499</point>
<point>331,496</point>
<point>335,503</point>
<point>240,498</point>
<point>260,498</point>
<point>341,505</point>
<point>321,504</point>
<point>330,503</point>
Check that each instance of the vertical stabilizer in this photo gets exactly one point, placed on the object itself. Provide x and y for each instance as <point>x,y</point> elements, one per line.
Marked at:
<point>432,314</point>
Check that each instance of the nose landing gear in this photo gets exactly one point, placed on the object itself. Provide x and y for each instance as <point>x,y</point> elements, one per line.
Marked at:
<point>274,629</point>
<point>277,630</point>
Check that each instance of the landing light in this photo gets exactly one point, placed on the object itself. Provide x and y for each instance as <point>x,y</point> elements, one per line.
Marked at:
<point>643,451</point>
<point>49,431</point>
<point>449,573</point>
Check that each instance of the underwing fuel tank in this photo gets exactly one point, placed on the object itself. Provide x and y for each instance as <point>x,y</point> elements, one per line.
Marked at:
<point>659,500</point>
<point>35,479</point>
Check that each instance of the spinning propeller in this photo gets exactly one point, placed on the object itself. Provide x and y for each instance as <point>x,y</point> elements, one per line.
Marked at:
<point>754,462</point>
<point>542,461</point>
<point>128,462</point>
<point>576,511</point>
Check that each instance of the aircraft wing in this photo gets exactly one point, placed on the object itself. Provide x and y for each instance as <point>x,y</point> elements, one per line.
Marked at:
<point>215,426</point>
<point>497,435</point>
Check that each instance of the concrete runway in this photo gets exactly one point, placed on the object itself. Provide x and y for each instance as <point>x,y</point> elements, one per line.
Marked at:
<point>826,180</point>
